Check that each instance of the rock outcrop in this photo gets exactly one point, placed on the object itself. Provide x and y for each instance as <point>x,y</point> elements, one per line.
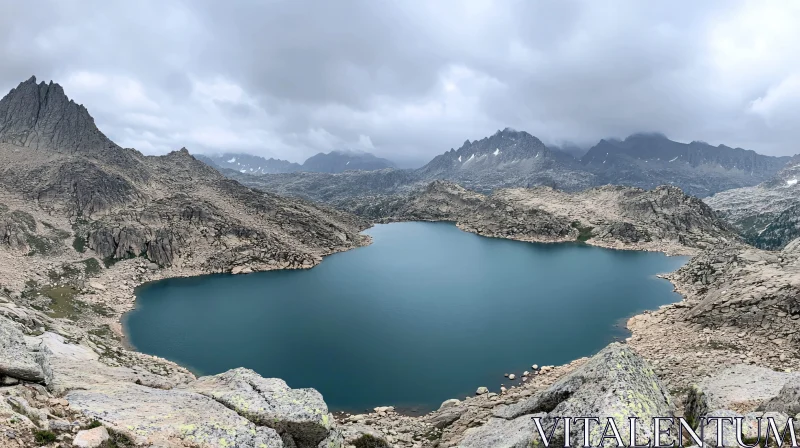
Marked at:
<point>616,383</point>
<point>754,292</point>
<point>16,360</point>
<point>739,388</point>
<point>300,416</point>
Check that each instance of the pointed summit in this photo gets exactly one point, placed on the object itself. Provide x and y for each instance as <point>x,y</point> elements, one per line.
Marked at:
<point>40,116</point>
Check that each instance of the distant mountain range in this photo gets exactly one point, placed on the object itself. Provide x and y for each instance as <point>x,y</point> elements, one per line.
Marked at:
<point>767,215</point>
<point>332,162</point>
<point>510,158</point>
<point>650,160</point>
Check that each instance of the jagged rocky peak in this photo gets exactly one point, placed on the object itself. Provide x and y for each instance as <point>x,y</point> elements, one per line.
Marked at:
<point>41,116</point>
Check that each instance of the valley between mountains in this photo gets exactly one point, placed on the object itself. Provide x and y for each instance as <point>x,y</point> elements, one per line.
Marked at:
<point>84,221</point>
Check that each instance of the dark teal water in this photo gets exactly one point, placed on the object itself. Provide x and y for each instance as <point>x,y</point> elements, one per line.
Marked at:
<point>426,313</point>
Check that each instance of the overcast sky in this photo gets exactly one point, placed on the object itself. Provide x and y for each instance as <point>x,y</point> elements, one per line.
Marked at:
<point>410,79</point>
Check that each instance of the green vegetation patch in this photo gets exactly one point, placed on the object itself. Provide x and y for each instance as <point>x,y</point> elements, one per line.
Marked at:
<point>104,332</point>
<point>91,267</point>
<point>44,437</point>
<point>369,441</point>
<point>117,440</point>
<point>62,301</point>
<point>79,244</point>
<point>92,425</point>
<point>584,233</point>
<point>39,245</point>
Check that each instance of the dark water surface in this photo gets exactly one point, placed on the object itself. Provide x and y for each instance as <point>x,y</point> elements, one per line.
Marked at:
<point>426,313</point>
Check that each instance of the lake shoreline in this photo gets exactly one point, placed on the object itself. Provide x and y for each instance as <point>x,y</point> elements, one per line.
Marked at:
<point>615,331</point>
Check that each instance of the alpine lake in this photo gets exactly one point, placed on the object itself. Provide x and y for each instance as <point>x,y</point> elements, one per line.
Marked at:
<point>425,313</point>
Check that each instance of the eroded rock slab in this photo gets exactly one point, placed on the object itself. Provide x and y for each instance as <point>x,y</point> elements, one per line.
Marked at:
<point>75,366</point>
<point>300,414</point>
<point>16,360</point>
<point>171,417</point>
<point>740,388</point>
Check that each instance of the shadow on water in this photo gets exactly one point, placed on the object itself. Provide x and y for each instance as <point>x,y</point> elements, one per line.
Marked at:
<point>425,313</point>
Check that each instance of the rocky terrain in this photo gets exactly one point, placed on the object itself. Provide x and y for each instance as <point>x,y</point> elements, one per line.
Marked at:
<point>664,219</point>
<point>766,215</point>
<point>83,222</point>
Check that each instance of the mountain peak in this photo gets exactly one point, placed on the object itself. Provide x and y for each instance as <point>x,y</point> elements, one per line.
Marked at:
<point>40,116</point>
<point>647,135</point>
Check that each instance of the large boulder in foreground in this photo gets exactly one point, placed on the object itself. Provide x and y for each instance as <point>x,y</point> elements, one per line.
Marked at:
<point>616,382</point>
<point>741,388</point>
<point>297,414</point>
<point>170,417</point>
<point>16,360</point>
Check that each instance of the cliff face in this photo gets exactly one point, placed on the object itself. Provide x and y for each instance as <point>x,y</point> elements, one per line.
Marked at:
<point>766,214</point>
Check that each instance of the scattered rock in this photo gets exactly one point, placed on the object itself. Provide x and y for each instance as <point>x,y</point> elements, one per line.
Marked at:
<point>91,438</point>
<point>482,390</point>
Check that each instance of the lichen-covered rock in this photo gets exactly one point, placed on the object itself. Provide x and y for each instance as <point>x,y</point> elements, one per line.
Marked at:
<point>170,417</point>
<point>739,388</point>
<point>615,383</point>
<point>520,432</point>
<point>16,360</point>
<point>300,414</point>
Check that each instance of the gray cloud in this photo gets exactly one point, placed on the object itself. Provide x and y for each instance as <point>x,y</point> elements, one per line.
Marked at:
<point>408,80</point>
